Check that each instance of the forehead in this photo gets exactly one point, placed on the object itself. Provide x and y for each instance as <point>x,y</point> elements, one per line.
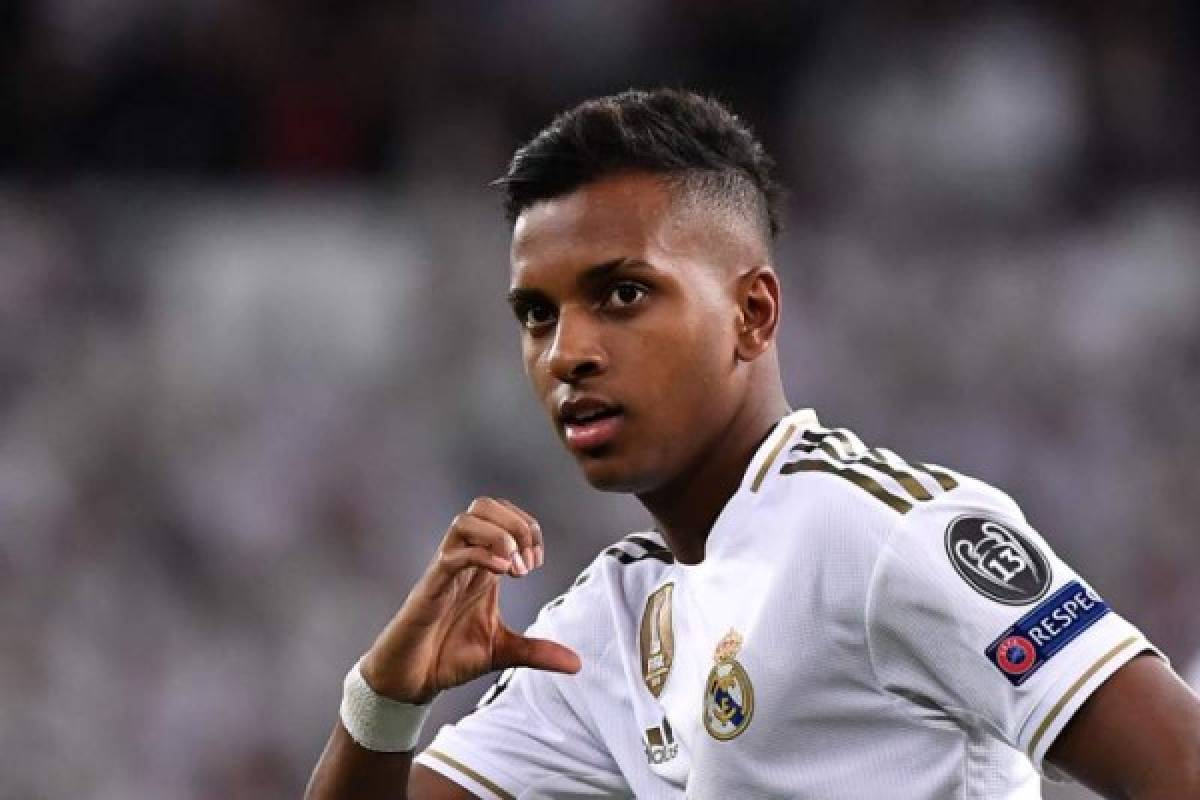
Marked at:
<point>625,216</point>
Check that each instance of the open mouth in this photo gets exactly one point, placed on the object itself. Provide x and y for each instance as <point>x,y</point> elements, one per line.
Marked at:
<point>589,425</point>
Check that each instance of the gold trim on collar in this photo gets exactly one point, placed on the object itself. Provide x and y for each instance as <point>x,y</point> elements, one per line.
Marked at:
<point>766,465</point>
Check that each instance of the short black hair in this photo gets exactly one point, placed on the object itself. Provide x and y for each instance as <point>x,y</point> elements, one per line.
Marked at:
<point>680,134</point>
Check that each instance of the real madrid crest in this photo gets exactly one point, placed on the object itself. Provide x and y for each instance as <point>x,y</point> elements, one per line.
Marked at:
<point>657,639</point>
<point>728,693</point>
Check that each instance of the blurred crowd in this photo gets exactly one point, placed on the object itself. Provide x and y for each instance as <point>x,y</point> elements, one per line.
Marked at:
<point>254,353</point>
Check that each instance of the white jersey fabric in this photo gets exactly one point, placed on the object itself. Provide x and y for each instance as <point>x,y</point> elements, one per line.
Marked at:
<point>860,627</point>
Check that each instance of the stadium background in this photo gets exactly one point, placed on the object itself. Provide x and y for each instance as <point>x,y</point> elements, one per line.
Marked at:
<point>253,352</point>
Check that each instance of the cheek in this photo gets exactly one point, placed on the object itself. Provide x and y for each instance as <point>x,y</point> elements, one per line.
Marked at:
<point>704,341</point>
<point>688,357</point>
<point>707,365</point>
<point>530,355</point>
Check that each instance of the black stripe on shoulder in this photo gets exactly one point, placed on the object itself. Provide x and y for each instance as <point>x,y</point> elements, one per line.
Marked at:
<point>644,542</point>
<point>626,554</point>
<point>839,443</point>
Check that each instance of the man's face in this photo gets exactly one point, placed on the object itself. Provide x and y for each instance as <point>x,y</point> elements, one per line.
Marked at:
<point>629,320</point>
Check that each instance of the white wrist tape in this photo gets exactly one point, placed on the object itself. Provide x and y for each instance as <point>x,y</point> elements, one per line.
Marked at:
<point>376,722</point>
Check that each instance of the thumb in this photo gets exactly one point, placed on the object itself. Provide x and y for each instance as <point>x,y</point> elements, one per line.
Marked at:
<point>515,650</point>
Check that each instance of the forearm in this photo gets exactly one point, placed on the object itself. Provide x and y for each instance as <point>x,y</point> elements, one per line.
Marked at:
<point>347,770</point>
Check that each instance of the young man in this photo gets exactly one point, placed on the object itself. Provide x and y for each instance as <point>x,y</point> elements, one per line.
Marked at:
<point>812,617</point>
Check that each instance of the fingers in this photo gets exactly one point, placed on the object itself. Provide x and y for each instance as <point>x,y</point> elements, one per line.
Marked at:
<point>506,514</point>
<point>468,530</point>
<point>538,555</point>
<point>515,650</point>
<point>502,528</point>
<point>523,528</point>
<point>459,559</point>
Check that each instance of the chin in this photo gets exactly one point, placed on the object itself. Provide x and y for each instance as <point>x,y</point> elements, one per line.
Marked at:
<point>609,474</point>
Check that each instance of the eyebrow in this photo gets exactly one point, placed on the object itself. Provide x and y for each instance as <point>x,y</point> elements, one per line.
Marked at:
<point>595,274</point>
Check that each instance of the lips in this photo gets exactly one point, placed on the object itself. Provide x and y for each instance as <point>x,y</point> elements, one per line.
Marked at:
<point>590,421</point>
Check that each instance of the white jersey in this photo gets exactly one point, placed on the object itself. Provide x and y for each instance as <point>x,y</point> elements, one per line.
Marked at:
<point>860,627</point>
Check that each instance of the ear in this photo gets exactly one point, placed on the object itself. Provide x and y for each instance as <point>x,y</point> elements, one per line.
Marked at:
<point>758,311</point>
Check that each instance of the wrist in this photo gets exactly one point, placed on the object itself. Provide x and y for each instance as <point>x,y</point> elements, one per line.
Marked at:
<point>392,683</point>
<point>377,722</point>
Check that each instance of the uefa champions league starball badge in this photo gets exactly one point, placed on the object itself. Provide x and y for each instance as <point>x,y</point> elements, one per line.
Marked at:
<point>728,694</point>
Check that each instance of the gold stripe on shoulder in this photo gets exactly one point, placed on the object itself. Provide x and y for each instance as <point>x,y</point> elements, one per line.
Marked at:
<point>944,479</point>
<point>1075,687</point>
<point>857,478</point>
<point>849,458</point>
<point>766,465</point>
<point>470,773</point>
<point>879,461</point>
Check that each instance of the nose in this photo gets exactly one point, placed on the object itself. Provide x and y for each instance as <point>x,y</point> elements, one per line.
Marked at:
<point>575,352</point>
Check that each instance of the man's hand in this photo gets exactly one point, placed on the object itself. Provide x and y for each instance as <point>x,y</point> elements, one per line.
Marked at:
<point>447,633</point>
<point>449,630</point>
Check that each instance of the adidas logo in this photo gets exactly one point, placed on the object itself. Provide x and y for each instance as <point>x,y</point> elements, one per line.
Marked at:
<point>660,744</point>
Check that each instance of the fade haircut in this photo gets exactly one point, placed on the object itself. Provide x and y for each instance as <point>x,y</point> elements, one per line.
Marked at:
<point>704,152</point>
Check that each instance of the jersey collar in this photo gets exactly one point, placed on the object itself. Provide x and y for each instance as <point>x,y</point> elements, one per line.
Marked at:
<point>759,471</point>
<point>757,477</point>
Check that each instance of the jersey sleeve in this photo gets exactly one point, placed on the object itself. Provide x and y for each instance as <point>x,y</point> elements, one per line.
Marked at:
<point>530,736</point>
<point>970,613</point>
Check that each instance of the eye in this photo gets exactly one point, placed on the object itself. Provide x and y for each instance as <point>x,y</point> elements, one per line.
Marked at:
<point>625,294</point>
<point>535,316</point>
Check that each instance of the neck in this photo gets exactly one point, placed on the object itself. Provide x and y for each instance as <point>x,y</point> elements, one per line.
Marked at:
<point>686,507</point>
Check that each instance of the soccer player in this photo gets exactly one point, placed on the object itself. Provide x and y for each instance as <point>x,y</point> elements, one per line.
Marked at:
<point>812,617</point>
